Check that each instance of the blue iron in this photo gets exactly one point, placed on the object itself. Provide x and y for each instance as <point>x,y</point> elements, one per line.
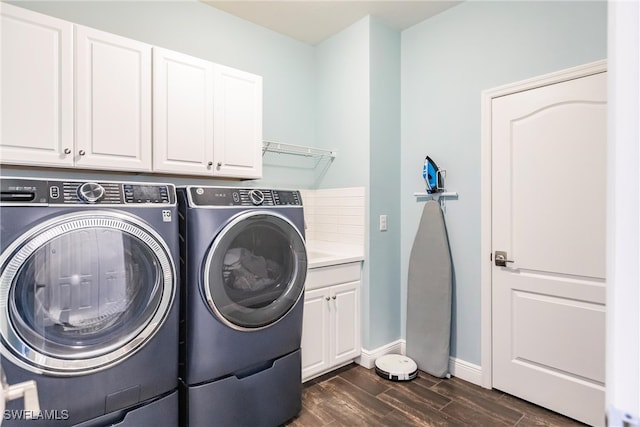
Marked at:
<point>432,176</point>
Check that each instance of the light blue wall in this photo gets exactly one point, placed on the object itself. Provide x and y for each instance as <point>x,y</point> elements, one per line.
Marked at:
<point>358,108</point>
<point>383,320</point>
<point>342,104</point>
<point>286,65</point>
<point>342,108</point>
<point>447,61</point>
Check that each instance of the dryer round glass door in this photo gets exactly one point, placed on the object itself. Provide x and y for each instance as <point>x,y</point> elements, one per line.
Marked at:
<point>255,270</point>
<point>83,292</point>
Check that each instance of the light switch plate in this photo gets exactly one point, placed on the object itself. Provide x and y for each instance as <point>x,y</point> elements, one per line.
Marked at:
<point>383,223</point>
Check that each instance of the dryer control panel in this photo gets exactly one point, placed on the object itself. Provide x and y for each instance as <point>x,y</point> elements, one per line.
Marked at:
<point>51,192</point>
<point>224,196</point>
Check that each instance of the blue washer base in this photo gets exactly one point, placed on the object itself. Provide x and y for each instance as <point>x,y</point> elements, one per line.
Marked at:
<point>162,411</point>
<point>266,398</point>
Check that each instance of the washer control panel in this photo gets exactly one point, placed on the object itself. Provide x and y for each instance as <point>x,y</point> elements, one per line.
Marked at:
<point>33,191</point>
<point>256,197</point>
<point>224,196</point>
<point>90,192</point>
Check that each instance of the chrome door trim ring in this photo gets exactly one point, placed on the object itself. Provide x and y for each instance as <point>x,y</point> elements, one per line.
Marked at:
<point>212,250</point>
<point>19,352</point>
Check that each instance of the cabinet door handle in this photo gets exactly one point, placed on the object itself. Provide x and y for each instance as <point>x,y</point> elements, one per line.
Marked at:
<point>82,152</point>
<point>67,151</point>
<point>327,298</point>
<point>333,297</point>
<point>209,164</point>
<point>219,164</point>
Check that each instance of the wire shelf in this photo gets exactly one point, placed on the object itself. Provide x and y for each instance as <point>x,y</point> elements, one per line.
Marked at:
<point>296,150</point>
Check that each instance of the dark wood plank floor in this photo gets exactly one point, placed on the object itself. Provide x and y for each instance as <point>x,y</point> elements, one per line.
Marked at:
<point>355,396</point>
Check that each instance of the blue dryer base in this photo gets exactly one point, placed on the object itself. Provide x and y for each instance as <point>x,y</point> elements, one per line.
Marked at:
<point>162,411</point>
<point>266,398</point>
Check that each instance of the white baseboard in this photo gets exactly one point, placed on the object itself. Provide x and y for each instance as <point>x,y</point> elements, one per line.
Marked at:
<point>368,357</point>
<point>458,368</point>
<point>465,371</point>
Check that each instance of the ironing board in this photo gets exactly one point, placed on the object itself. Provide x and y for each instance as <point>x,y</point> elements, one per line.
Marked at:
<point>429,294</point>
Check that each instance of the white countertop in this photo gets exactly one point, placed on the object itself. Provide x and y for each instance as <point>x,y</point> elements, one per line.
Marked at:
<point>322,253</point>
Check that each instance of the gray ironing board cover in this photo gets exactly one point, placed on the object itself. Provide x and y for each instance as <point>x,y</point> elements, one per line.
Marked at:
<point>429,294</point>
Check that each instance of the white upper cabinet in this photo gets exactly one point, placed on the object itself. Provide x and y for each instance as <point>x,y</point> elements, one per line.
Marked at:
<point>74,96</point>
<point>182,113</point>
<point>207,118</point>
<point>237,123</point>
<point>36,89</point>
<point>113,101</point>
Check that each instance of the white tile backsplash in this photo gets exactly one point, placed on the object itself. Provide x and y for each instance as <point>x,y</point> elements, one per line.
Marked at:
<point>335,214</point>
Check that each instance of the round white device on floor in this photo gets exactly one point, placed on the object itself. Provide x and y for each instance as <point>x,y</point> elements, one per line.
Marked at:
<point>396,367</point>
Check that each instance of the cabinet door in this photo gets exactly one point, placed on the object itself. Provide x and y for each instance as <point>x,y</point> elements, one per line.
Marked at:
<point>345,301</point>
<point>113,101</point>
<point>237,123</point>
<point>315,332</point>
<point>36,88</point>
<point>182,113</point>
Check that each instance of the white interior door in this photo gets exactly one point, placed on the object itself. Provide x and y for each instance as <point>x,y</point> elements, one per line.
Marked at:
<point>548,214</point>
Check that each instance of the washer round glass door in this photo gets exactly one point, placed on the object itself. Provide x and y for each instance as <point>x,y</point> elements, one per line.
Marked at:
<point>255,270</point>
<point>82,292</point>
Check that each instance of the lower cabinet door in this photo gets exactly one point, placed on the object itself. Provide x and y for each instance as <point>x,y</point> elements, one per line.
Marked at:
<point>345,306</point>
<point>315,332</point>
<point>330,328</point>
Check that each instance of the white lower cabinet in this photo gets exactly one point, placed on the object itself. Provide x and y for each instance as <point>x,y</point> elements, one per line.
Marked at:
<point>331,323</point>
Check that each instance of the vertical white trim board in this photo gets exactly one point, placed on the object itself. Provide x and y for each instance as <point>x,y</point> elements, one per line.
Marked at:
<point>623,217</point>
<point>486,201</point>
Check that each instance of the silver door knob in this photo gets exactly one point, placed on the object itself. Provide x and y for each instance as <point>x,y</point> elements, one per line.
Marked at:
<point>333,297</point>
<point>67,151</point>
<point>327,298</point>
<point>501,259</point>
<point>209,164</point>
<point>82,152</point>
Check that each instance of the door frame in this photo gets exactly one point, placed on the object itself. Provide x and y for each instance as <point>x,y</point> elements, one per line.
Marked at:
<point>486,173</point>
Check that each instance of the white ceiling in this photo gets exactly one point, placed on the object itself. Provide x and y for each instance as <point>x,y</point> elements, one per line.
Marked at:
<point>313,21</point>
